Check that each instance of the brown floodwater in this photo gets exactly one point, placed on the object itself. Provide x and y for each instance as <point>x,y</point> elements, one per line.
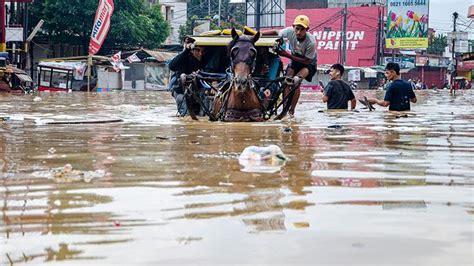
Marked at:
<point>359,187</point>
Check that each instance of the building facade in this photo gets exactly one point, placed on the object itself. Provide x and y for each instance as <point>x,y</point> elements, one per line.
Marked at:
<point>266,13</point>
<point>175,13</point>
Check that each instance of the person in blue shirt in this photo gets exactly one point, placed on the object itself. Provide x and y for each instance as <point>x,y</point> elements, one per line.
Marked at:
<point>399,93</point>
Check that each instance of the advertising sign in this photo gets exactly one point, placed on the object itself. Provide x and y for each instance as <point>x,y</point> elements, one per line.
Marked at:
<point>404,62</point>
<point>326,27</point>
<point>461,39</point>
<point>421,60</point>
<point>407,24</point>
<point>101,25</point>
<point>354,75</point>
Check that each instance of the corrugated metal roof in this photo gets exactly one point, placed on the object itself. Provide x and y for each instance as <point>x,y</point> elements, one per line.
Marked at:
<point>160,56</point>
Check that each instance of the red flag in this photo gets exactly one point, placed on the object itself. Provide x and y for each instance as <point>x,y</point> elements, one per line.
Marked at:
<point>101,25</point>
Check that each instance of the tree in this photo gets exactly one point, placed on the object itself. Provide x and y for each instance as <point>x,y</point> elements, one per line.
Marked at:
<point>70,22</point>
<point>437,44</point>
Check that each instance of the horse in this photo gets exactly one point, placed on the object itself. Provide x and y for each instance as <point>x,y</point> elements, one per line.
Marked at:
<point>239,101</point>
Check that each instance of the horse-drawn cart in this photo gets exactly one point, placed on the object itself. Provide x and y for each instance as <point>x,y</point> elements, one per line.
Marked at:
<point>249,87</point>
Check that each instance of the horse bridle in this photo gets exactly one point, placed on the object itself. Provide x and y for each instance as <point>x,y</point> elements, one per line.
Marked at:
<point>250,62</point>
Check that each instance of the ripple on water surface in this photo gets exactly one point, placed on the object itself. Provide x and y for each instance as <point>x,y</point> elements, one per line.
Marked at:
<point>155,188</point>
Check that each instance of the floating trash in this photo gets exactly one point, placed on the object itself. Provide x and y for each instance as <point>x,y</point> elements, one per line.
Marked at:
<point>286,130</point>
<point>68,174</point>
<point>269,159</point>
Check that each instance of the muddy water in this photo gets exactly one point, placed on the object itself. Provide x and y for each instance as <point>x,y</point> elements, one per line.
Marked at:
<point>360,188</point>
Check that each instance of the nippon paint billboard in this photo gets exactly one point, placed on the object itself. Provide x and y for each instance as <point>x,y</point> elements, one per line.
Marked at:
<point>407,24</point>
<point>326,25</point>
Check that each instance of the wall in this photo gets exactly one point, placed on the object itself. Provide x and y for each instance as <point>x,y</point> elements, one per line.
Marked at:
<point>326,27</point>
<point>175,11</point>
<point>432,75</point>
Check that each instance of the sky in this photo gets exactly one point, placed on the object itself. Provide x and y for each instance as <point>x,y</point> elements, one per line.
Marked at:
<point>441,15</point>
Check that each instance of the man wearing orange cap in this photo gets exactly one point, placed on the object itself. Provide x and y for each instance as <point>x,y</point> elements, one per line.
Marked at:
<point>303,53</point>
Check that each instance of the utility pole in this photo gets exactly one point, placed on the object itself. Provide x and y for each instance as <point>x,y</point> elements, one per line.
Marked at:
<point>209,8</point>
<point>3,43</point>
<point>219,14</point>
<point>344,36</point>
<point>257,15</point>
<point>455,60</point>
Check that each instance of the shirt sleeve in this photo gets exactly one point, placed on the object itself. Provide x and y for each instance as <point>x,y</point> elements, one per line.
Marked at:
<point>285,33</point>
<point>389,93</point>
<point>179,61</point>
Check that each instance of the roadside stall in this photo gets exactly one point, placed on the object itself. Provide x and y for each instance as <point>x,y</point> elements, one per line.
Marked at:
<point>147,69</point>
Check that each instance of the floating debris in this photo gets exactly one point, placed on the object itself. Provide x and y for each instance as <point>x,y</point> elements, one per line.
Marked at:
<point>268,159</point>
<point>68,174</point>
<point>286,130</point>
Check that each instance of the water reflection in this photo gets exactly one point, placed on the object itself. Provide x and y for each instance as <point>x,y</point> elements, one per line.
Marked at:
<point>175,187</point>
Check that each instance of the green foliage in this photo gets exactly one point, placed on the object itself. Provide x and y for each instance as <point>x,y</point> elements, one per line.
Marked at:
<point>437,44</point>
<point>70,21</point>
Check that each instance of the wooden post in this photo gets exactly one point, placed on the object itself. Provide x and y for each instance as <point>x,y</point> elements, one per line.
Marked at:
<point>89,72</point>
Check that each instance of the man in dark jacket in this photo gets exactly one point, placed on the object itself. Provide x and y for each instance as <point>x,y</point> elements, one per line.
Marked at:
<point>338,93</point>
<point>186,62</point>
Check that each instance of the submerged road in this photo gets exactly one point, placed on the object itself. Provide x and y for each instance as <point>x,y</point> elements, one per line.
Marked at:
<point>378,188</point>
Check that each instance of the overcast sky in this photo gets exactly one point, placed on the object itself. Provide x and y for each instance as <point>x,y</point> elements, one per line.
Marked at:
<point>441,15</point>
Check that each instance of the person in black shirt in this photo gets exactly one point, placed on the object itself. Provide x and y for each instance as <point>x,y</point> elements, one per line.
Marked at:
<point>186,62</point>
<point>399,93</point>
<point>338,93</point>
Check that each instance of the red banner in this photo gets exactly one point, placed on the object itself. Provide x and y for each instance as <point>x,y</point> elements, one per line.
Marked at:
<point>101,25</point>
<point>326,25</point>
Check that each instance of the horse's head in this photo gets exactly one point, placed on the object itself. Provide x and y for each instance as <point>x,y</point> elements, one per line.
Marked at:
<point>242,57</point>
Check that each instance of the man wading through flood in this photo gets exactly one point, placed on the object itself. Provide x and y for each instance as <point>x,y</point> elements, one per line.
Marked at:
<point>338,93</point>
<point>399,93</point>
<point>303,54</point>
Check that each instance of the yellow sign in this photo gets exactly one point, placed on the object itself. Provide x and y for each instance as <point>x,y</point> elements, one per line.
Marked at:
<point>406,43</point>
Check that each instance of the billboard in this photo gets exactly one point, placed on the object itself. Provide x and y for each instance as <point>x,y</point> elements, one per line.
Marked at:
<point>326,27</point>
<point>404,62</point>
<point>407,24</point>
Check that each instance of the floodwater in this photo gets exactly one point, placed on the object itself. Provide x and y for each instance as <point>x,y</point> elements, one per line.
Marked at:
<point>359,188</point>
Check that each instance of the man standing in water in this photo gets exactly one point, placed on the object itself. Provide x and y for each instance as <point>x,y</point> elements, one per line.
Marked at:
<point>303,53</point>
<point>338,93</point>
<point>399,93</point>
<point>186,62</point>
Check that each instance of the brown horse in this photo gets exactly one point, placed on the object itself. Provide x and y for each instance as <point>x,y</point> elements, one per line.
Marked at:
<point>240,100</point>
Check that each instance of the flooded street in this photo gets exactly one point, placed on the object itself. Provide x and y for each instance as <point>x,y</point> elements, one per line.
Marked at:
<point>359,188</point>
